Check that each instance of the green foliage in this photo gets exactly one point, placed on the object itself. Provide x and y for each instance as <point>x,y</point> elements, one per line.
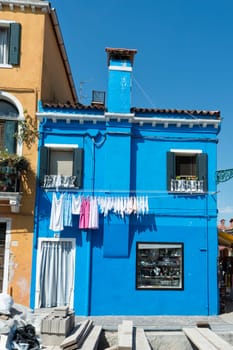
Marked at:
<point>13,160</point>
<point>28,132</point>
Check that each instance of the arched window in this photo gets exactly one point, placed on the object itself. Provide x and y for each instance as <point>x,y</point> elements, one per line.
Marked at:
<point>10,114</point>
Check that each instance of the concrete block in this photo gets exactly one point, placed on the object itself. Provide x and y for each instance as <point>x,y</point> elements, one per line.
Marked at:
<point>125,335</point>
<point>54,325</point>
<point>46,325</point>
<point>92,340</point>
<point>141,342</point>
<point>52,339</point>
<point>61,311</point>
<point>78,336</point>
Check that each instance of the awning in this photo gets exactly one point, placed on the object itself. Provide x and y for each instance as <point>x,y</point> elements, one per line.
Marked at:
<point>225,239</point>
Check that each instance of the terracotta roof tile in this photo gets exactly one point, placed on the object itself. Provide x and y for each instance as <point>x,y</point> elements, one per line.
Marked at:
<point>194,112</point>
<point>99,106</point>
<point>76,106</point>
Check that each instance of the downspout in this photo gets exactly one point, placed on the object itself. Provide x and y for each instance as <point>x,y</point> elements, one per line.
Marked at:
<point>89,235</point>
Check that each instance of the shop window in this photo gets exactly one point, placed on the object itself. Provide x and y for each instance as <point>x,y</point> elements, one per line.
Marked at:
<point>61,167</point>
<point>9,43</point>
<point>187,172</point>
<point>159,266</point>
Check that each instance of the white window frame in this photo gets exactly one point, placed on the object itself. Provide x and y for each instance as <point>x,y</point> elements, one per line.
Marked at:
<point>8,223</point>
<point>6,24</point>
<point>38,263</point>
<point>14,101</point>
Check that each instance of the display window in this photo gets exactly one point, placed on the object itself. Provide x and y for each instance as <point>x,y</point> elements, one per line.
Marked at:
<point>159,266</point>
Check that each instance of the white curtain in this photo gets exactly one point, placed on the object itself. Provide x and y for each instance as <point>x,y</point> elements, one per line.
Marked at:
<point>3,46</point>
<point>56,273</point>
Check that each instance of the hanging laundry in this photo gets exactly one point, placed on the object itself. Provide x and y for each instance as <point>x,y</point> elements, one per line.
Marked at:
<point>84,213</point>
<point>94,214</point>
<point>56,217</point>
<point>67,212</point>
<point>76,204</point>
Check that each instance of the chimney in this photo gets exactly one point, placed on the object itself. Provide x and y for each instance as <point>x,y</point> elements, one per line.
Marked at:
<point>120,66</point>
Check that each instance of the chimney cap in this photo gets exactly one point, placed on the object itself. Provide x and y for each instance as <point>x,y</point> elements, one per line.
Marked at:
<point>120,53</point>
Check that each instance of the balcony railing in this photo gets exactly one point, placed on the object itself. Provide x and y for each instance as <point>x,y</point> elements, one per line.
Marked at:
<point>187,186</point>
<point>53,181</point>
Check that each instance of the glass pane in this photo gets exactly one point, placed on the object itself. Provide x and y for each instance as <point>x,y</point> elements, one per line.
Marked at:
<point>10,128</point>
<point>1,135</point>
<point>7,110</point>
<point>159,266</point>
<point>185,166</point>
<point>4,45</point>
<point>61,162</point>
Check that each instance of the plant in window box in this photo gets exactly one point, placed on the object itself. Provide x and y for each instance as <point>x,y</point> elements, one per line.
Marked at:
<point>12,163</point>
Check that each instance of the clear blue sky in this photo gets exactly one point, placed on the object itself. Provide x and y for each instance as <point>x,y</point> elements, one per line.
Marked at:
<point>184,59</point>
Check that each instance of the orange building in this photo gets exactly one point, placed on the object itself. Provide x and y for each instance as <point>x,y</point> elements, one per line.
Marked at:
<point>33,67</point>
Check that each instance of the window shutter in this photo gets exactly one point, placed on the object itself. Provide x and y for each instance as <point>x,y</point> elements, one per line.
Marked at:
<point>14,43</point>
<point>170,168</point>
<point>78,167</point>
<point>202,169</point>
<point>44,153</point>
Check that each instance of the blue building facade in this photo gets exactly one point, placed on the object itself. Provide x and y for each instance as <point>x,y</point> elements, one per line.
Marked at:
<point>125,217</point>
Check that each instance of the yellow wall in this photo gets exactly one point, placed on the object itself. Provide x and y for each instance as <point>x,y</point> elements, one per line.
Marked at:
<point>55,84</point>
<point>36,77</point>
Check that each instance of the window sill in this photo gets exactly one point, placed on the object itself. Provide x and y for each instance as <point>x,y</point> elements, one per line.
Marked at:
<point>187,192</point>
<point>14,199</point>
<point>6,65</point>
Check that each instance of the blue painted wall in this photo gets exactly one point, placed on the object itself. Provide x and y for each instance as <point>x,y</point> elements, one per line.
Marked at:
<point>122,158</point>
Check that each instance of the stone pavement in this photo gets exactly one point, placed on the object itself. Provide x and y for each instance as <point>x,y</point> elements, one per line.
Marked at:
<point>223,322</point>
<point>164,332</point>
<point>219,323</point>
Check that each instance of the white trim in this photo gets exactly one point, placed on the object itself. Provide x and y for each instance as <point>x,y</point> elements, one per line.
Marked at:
<point>59,146</point>
<point>6,253</point>
<point>119,115</point>
<point>13,100</point>
<point>121,68</point>
<point>189,151</point>
<point>7,66</point>
<point>11,3</point>
<point>38,263</point>
<point>5,23</point>
<point>69,116</point>
<point>154,121</point>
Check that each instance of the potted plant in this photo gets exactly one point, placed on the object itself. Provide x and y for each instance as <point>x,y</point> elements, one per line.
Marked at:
<point>11,160</point>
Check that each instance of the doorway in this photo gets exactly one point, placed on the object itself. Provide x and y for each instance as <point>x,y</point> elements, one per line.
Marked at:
<point>55,273</point>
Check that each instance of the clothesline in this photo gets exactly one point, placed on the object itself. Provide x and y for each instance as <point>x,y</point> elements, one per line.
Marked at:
<point>105,192</point>
<point>89,208</point>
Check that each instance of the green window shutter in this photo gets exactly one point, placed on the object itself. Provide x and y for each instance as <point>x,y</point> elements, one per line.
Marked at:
<point>170,169</point>
<point>78,167</point>
<point>14,43</point>
<point>10,129</point>
<point>44,156</point>
<point>202,169</point>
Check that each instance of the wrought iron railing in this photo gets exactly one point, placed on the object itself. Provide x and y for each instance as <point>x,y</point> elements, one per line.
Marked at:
<point>187,186</point>
<point>61,181</point>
